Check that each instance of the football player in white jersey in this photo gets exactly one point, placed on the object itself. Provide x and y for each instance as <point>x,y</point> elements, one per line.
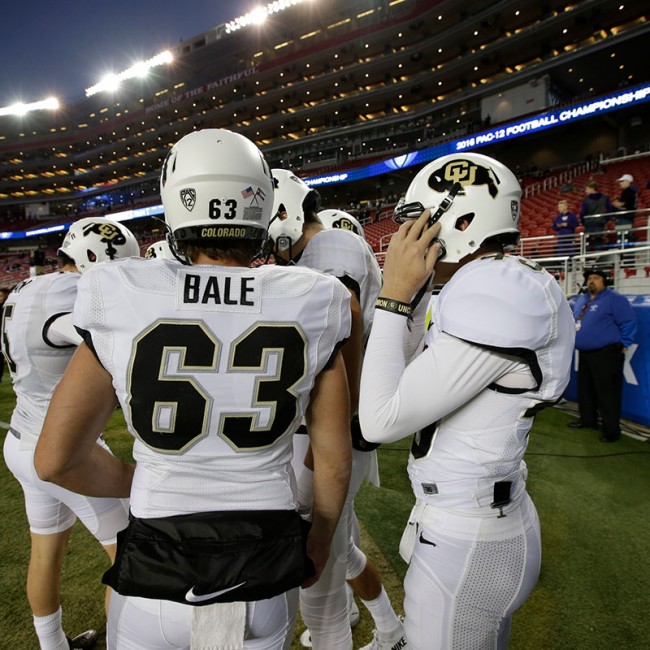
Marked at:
<point>499,349</point>
<point>214,364</point>
<point>300,238</point>
<point>342,220</point>
<point>38,341</point>
<point>159,250</point>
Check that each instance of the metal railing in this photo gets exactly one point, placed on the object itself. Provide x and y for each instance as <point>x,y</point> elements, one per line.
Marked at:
<point>623,254</point>
<point>558,178</point>
<point>629,272</point>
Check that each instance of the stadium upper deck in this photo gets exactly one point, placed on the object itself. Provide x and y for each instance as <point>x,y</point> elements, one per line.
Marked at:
<point>320,85</point>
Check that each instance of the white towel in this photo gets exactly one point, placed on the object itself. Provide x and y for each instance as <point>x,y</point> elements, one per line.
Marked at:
<point>219,626</point>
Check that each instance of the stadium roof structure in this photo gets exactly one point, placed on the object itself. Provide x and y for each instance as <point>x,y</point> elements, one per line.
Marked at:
<point>324,86</point>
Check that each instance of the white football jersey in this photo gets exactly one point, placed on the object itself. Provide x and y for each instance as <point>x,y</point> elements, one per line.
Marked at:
<point>350,258</point>
<point>499,346</point>
<point>35,362</point>
<point>516,308</point>
<point>213,367</point>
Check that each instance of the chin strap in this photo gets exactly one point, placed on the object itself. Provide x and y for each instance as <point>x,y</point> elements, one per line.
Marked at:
<point>169,238</point>
<point>419,295</point>
<point>446,203</point>
<point>175,252</point>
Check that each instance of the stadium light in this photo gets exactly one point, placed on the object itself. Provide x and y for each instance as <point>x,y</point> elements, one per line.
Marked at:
<point>19,108</point>
<point>258,15</point>
<point>139,69</point>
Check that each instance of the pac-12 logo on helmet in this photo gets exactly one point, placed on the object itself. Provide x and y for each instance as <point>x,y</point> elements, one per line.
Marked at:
<point>188,198</point>
<point>515,207</point>
<point>464,172</point>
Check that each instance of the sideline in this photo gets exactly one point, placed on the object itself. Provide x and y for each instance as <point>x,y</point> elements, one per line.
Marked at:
<point>628,428</point>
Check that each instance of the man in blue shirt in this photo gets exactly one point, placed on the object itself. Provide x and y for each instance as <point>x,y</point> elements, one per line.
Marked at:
<point>565,224</point>
<point>605,328</point>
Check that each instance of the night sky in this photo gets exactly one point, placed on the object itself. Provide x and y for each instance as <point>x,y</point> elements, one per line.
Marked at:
<point>61,47</point>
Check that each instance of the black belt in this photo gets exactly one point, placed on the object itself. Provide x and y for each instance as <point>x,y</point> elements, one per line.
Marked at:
<point>501,496</point>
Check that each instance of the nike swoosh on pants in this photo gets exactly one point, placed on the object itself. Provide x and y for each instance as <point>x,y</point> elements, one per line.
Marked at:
<point>191,597</point>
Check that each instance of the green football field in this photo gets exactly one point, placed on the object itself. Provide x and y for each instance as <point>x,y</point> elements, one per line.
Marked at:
<point>594,504</point>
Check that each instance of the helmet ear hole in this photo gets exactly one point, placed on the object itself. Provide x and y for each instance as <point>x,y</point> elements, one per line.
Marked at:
<point>463,223</point>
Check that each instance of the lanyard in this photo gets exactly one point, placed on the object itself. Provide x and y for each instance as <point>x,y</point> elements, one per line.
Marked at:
<point>584,309</point>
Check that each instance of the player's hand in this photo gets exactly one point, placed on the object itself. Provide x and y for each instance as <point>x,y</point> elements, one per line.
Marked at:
<point>318,552</point>
<point>410,258</point>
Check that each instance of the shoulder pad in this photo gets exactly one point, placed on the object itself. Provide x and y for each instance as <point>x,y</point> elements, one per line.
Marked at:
<point>339,253</point>
<point>504,301</point>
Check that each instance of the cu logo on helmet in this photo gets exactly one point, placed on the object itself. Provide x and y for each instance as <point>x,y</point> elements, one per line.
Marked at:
<point>344,224</point>
<point>107,232</point>
<point>466,173</point>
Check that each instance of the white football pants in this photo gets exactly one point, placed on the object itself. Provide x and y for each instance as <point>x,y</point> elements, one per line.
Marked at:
<point>468,575</point>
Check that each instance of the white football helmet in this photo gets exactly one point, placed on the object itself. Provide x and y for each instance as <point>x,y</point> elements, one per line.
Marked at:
<point>467,186</point>
<point>216,186</point>
<point>95,239</point>
<point>294,197</point>
<point>339,219</point>
<point>159,250</point>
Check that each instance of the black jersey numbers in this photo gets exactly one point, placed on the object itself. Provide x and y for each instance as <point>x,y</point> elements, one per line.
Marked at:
<point>169,406</point>
<point>169,410</point>
<point>276,353</point>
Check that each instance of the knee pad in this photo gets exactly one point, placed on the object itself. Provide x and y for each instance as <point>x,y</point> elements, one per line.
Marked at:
<point>356,561</point>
